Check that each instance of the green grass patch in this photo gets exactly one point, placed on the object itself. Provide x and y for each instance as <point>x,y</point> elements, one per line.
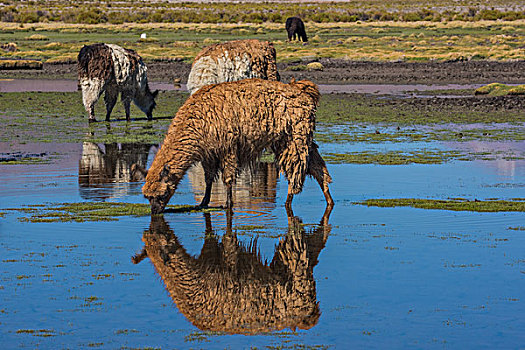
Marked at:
<point>392,157</point>
<point>37,332</point>
<point>60,117</point>
<point>93,211</point>
<point>20,64</point>
<point>517,205</point>
<point>361,108</point>
<point>370,134</point>
<point>497,89</point>
<point>428,156</point>
<point>26,161</point>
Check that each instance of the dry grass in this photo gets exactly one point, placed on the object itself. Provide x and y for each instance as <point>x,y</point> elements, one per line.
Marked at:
<point>20,64</point>
<point>375,40</point>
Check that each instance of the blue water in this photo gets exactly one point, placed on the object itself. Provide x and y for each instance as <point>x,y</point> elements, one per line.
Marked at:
<point>386,277</point>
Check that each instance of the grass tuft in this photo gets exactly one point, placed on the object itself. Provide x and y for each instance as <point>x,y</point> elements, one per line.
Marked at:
<point>516,205</point>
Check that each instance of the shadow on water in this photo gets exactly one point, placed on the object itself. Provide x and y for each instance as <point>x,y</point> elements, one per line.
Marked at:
<point>229,288</point>
<point>110,163</point>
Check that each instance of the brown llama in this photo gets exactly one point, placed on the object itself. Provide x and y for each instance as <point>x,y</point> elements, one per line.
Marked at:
<point>232,61</point>
<point>227,126</point>
<point>228,288</point>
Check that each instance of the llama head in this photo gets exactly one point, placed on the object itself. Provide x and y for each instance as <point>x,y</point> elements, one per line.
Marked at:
<point>157,189</point>
<point>146,102</point>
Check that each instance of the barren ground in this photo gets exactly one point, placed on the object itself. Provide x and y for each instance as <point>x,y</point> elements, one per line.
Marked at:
<point>338,72</point>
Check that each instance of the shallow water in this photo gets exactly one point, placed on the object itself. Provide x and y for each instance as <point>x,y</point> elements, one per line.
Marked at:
<point>382,277</point>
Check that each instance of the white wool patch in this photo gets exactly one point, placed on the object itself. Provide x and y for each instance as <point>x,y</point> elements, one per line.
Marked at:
<point>122,66</point>
<point>121,63</point>
<point>206,70</point>
<point>91,90</point>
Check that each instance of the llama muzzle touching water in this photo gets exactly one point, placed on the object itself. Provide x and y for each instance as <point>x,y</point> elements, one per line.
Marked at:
<point>227,126</point>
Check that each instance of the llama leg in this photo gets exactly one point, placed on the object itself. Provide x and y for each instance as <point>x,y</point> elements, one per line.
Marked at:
<point>110,98</point>
<point>210,172</point>
<point>126,100</point>
<point>139,256</point>
<point>229,172</point>
<point>317,169</point>
<point>293,162</point>
<point>91,91</point>
<point>288,203</point>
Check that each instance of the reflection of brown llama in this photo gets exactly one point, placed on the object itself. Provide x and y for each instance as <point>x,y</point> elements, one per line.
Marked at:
<point>227,127</point>
<point>112,165</point>
<point>254,188</point>
<point>232,61</point>
<point>228,288</point>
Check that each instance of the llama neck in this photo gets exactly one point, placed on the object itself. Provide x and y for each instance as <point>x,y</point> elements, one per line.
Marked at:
<point>180,153</point>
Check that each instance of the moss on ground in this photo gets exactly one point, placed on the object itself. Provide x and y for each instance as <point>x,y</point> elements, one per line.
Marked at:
<point>373,134</point>
<point>20,64</point>
<point>92,211</point>
<point>361,108</point>
<point>497,89</point>
<point>26,161</point>
<point>60,117</point>
<point>391,157</point>
<point>516,205</point>
<point>426,156</point>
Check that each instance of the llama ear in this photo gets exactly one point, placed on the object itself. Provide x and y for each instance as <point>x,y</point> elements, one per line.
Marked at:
<point>155,93</point>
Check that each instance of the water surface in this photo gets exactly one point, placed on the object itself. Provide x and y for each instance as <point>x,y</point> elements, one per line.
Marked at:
<point>370,277</point>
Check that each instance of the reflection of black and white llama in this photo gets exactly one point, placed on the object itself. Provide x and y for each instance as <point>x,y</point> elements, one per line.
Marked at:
<point>109,164</point>
<point>112,69</point>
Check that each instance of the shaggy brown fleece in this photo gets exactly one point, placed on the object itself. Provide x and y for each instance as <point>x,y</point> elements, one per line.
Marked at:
<point>227,126</point>
<point>228,288</point>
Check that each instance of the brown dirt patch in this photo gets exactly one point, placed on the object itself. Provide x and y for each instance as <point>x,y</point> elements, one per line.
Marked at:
<point>337,72</point>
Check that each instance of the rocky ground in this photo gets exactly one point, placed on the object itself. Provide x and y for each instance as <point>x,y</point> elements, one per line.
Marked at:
<point>337,72</point>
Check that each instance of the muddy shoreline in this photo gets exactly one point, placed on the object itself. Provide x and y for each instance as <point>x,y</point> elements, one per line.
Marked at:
<point>335,72</point>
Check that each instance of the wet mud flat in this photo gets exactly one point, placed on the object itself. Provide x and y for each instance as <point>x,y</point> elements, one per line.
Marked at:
<point>336,71</point>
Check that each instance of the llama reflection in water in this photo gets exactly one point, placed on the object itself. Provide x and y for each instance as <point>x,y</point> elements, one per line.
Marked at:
<point>227,288</point>
<point>111,163</point>
<point>255,188</point>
